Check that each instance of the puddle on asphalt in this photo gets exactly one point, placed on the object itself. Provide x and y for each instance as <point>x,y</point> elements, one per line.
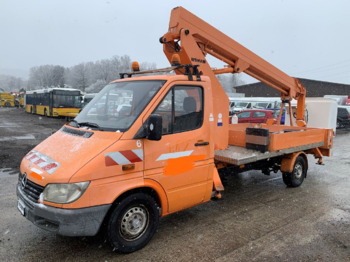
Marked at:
<point>13,138</point>
<point>6,172</point>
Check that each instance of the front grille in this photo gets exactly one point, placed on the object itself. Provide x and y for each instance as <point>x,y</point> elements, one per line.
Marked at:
<point>31,190</point>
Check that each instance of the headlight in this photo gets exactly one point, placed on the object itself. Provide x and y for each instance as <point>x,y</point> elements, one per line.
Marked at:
<point>64,193</point>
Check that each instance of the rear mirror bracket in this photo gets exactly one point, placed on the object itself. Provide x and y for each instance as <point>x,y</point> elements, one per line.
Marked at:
<point>151,129</point>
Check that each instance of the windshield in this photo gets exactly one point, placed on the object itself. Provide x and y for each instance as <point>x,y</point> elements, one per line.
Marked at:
<point>242,104</point>
<point>66,99</point>
<point>261,105</point>
<point>118,105</point>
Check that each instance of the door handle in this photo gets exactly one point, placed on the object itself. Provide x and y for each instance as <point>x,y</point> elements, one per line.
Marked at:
<point>201,144</point>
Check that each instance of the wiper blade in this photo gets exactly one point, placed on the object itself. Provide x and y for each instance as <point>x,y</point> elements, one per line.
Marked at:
<point>74,123</point>
<point>90,124</point>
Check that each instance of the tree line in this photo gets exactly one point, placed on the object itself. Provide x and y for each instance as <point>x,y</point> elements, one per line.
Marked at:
<point>11,83</point>
<point>89,77</point>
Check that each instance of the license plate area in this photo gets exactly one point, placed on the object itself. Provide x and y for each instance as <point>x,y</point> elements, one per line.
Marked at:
<point>21,207</point>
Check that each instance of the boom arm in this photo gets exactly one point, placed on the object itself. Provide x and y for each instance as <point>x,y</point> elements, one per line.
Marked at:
<point>198,38</point>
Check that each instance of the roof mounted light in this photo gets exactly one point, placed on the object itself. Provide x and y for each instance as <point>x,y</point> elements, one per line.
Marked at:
<point>135,67</point>
<point>175,60</point>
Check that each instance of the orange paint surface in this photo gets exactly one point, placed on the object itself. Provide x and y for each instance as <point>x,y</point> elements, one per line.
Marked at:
<point>181,165</point>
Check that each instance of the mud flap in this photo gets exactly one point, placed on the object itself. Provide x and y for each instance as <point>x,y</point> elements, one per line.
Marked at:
<point>217,184</point>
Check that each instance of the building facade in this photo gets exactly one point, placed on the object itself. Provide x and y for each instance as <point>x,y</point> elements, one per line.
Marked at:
<point>313,88</point>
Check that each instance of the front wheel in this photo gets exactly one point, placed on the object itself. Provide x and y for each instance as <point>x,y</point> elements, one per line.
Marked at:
<point>296,177</point>
<point>133,223</point>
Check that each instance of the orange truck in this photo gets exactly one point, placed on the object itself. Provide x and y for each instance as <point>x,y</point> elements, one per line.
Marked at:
<point>148,146</point>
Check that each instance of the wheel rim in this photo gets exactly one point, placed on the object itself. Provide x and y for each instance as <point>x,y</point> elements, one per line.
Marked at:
<point>298,171</point>
<point>134,223</point>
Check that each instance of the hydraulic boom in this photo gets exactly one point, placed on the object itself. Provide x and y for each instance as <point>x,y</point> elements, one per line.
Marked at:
<point>192,39</point>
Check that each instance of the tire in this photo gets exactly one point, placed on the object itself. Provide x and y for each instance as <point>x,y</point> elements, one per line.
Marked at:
<point>133,223</point>
<point>296,178</point>
<point>7,104</point>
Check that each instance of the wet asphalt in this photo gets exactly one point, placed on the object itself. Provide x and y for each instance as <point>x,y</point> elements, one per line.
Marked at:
<point>258,219</point>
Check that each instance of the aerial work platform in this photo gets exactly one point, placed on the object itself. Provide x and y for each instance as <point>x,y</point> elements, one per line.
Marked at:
<point>250,143</point>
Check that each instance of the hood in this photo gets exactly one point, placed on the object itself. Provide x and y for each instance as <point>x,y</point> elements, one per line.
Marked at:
<point>61,155</point>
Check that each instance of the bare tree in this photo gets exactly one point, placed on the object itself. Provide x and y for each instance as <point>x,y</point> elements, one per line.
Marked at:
<point>79,76</point>
<point>102,70</point>
<point>46,76</point>
<point>90,76</point>
<point>11,84</point>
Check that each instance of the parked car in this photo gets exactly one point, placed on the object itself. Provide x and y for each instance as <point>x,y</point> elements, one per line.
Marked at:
<point>231,107</point>
<point>276,112</point>
<point>87,98</point>
<point>254,116</point>
<point>240,106</point>
<point>122,110</point>
<point>343,117</point>
<point>264,105</point>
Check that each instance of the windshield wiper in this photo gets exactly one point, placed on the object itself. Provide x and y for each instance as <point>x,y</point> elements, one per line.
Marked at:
<point>90,124</point>
<point>74,122</point>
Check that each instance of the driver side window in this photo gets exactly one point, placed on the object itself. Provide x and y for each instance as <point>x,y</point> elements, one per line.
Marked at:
<point>181,109</point>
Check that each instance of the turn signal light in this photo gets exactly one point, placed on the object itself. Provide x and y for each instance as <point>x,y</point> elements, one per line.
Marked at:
<point>128,167</point>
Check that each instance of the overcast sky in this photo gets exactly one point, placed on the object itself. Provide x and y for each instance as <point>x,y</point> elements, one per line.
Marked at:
<point>304,38</point>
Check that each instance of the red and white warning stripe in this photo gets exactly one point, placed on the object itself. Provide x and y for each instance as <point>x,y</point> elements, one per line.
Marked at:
<point>124,157</point>
<point>44,162</point>
<point>174,155</point>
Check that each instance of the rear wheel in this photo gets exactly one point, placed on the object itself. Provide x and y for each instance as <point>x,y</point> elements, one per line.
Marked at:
<point>297,176</point>
<point>133,223</point>
<point>7,104</point>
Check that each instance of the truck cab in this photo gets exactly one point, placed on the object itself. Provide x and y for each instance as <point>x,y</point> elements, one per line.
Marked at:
<point>71,182</point>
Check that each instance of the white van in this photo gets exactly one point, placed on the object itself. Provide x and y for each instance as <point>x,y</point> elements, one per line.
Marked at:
<point>319,112</point>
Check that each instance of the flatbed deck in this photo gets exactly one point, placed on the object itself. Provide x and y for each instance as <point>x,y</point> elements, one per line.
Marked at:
<point>237,155</point>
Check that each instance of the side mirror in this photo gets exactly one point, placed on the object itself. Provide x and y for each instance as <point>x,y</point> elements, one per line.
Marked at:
<point>154,127</point>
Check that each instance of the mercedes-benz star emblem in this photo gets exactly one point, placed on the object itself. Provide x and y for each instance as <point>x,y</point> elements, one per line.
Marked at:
<point>24,181</point>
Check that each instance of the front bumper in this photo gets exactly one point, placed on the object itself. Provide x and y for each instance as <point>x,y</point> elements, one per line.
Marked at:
<point>66,222</point>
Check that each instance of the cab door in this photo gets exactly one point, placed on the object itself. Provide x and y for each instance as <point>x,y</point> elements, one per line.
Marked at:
<point>183,159</point>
